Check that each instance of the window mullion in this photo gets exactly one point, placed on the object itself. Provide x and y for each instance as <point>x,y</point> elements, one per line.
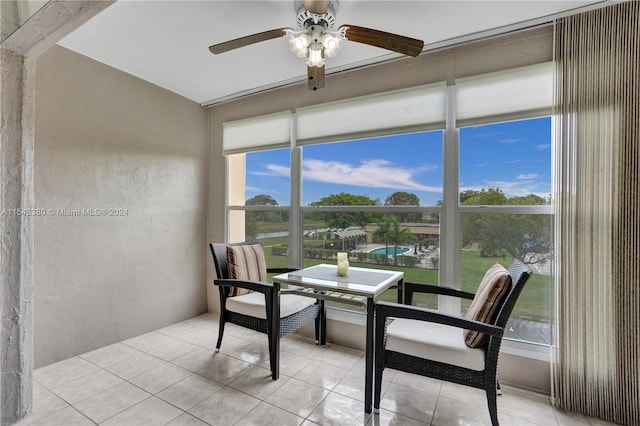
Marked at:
<point>450,216</point>
<point>295,212</point>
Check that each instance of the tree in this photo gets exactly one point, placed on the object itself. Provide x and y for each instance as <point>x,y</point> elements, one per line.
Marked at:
<point>475,228</point>
<point>490,197</point>
<point>253,218</point>
<point>465,195</point>
<point>261,200</point>
<point>383,234</point>
<point>345,219</point>
<point>265,216</point>
<point>524,236</point>
<point>398,236</point>
<point>434,217</point>
<point>405,199</point>
<point>527,200</point>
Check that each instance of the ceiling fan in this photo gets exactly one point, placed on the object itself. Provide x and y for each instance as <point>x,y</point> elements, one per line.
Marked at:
<point>316,38</point>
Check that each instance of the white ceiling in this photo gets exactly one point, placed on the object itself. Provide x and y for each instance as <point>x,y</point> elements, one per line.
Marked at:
<point>166,42</point>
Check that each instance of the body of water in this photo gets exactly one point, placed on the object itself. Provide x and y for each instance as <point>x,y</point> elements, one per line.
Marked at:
<point>391,250</point>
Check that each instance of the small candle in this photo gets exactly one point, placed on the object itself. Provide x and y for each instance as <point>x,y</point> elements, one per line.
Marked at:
<point>343,264</point>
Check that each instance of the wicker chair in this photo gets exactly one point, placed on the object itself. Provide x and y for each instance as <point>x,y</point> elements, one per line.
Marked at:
<point>466,366</point>
<point>273,301</point>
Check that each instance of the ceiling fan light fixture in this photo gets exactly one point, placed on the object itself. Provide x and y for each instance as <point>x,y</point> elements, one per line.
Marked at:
<point>332,45</point>
<point>299,45</point>
<point>316,57</point>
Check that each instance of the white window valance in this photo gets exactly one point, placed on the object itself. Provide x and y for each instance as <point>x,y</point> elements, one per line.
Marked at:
<point>273,131</point>
<point>512,94</point>
<point>417,108</point>
<point>517,93</point>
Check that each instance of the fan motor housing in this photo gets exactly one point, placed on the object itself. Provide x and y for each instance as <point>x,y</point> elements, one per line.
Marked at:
<point>306,18</point>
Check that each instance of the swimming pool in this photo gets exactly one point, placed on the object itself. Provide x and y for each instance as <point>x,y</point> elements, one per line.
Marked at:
<point>392,250</point>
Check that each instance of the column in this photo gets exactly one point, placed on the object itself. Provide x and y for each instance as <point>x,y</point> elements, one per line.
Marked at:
<point>16,240</point>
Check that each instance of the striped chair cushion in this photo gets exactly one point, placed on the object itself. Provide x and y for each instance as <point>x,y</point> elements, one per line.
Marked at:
<point>493,289</point>
<point>246,263</point>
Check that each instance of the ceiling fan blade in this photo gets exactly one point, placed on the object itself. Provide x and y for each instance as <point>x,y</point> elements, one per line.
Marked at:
<point>315,77</point>
<point>247,40</point>
<point>316,6</point>
<point>397,43</point>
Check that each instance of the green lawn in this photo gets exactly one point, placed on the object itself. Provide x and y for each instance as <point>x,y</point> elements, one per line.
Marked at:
<point>534,302</point>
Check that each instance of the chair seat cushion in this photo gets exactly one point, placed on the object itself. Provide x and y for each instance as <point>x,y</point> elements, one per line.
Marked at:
<point>433,341</point>
<point>252,304</point>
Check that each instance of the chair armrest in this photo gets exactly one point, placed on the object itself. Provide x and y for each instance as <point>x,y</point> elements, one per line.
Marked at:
<point>258,286</point>
<point>385,310</point>
<point>436,289</point>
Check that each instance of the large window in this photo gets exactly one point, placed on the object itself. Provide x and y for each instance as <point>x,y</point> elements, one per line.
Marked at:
<point>401,181</point>
<point>376,168</point>
<point>368,197</point>
<point>505,196</point>
<point>260,187</point>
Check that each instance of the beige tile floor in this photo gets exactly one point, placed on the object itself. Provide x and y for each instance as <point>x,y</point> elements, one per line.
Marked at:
<point>172,376</point>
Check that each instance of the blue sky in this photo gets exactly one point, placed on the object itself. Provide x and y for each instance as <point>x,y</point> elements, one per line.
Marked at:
<point>514,156</point>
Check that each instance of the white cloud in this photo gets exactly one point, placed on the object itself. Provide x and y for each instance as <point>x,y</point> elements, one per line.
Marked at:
<point>375,173</point>
<point>274,170</point>
<point>524,185</point>
<point>529,176</point>
<point>482,164</point>
<point>510,140</point>
<point>544,146</point>
<point>520,188</point>
<point>279,170</point>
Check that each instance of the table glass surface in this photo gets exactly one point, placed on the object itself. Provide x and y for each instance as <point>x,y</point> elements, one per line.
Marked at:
<point>360,281</point>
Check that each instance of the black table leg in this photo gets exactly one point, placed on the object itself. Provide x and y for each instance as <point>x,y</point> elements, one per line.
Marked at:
<point>275,333</point>
<point>368,381</point>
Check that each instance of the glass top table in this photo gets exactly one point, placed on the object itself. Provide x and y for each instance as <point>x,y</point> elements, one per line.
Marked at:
<point>364,282</point>
<point>360,286</point>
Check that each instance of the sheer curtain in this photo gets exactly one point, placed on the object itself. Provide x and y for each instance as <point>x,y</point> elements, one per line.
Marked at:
<point>597,352</point>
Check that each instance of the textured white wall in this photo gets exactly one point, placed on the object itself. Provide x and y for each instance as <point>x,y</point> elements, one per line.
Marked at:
<point>107,140</point>
<point>16,235</point>
<point>17,113</point>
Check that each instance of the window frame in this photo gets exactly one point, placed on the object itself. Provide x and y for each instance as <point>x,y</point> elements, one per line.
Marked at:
<point>449,212</point>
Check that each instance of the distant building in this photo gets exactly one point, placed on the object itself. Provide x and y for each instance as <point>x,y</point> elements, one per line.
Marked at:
<point>345,239</point>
